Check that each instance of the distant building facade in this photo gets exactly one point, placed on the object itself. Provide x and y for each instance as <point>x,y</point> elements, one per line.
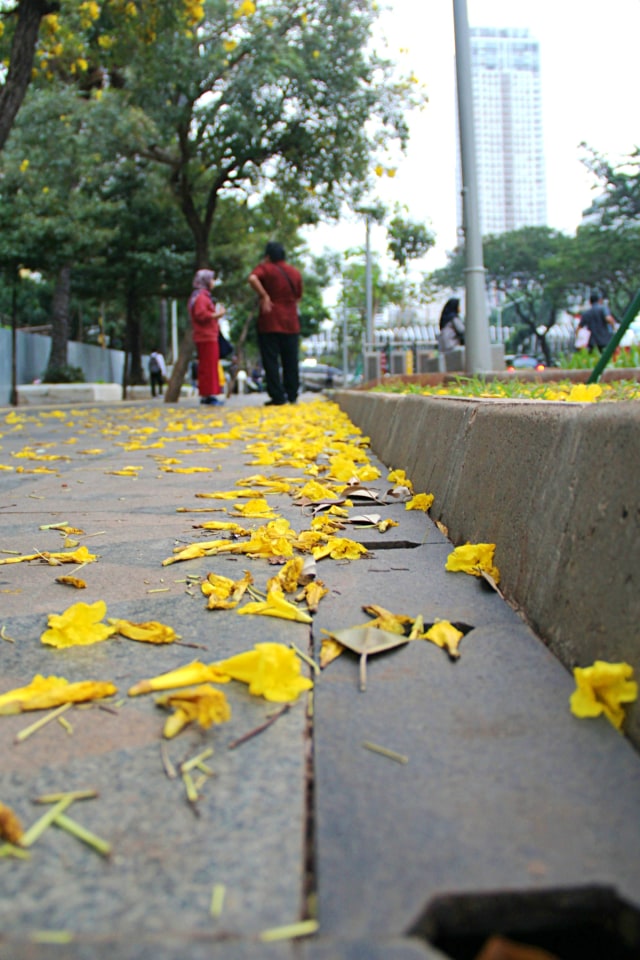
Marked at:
<point>505,77</point>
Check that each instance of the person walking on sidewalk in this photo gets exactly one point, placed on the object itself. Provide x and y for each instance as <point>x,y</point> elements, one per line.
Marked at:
<point>598,322</point>
<point>204,314</point>
<point>157,372</point>
<point>279,287</point>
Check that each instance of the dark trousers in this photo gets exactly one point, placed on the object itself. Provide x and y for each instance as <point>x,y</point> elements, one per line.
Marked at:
<point>279,351</point>
<point>156,381</point>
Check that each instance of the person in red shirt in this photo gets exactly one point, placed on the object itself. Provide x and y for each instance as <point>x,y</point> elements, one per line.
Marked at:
<point>279,287</point>
<point>205,313</point>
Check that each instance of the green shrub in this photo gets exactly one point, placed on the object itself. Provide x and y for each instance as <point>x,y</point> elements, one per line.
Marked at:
<point>66,374</point>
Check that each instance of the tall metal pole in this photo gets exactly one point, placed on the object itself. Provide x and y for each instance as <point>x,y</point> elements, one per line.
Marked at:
<point>14,345</point>
<point>369,286</point>
<point>477,342</point>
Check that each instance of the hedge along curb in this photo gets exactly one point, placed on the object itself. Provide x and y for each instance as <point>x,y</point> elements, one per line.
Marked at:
<point>555,486</point>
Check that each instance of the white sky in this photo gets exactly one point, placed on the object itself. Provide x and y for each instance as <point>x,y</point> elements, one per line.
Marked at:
<point>590,75</point>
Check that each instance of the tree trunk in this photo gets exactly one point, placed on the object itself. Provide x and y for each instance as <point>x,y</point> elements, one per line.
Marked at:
<point>60,320</point>
<point>12,92</point>
<point>134,339</point>
<point>172,393</point>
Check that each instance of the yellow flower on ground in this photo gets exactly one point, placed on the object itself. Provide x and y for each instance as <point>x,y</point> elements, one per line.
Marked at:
<point>203,705</point>
<point>316,491</point>
<point>473,558</point>
<point>195,550</point>
<point>148,632</point>
<point>288,578</point>
<point>79,625</point>
<point>224,593</point>
<point>340,548</point>
<point>256,507</point>
<point>185,676</point>
<point>43,693</point>
<point>421,501</point>
<point>271,670</point>
<point>81,555</point>
<point>399,479</point>
<point>386,620</point>
<point>313,593</point>
<point>446,636</point>
<point>603,688</point>
<point>276,606</point>
<point>10,826</point>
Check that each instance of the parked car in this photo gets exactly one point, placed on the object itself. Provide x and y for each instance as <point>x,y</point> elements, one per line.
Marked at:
<point>319,376</point>
<point>523,361</point>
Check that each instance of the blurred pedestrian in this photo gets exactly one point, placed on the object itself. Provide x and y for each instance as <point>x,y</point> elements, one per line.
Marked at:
<point>157,372</point>
<point>451,326</point>
<point>279,287</point>
<point>598,322</point>
<point>204,314</point>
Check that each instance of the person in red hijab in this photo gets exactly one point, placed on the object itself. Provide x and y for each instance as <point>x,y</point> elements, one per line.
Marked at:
<point>204,314</point>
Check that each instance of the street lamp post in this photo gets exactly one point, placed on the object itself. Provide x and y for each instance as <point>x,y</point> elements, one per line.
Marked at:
<point>477,342</point>
<point>368,283</point>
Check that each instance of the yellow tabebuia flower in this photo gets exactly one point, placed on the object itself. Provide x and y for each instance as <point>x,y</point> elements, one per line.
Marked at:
<point>584,393</point>
<point>313,593</point>
<point>224,593</point>
<point>473,558</point>
<point>446,636</point>
<point>81,555</point>
<point>203,705</point>
<point>288,578</point>
<point>148,632</point>
<point>603,688</point>
<point>340,548</point>
<point>43,693</point>
<point>421,501</point>
<point>185,676</point>
<point>400,479</point>
<point>276,606</point>
<point>256,507</point>
<point>204,549</point>
<point>316,491</point>
<point>79,625</point>
<point>271,670</point>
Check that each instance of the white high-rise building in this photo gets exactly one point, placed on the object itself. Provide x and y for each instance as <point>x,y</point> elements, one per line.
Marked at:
<point>505,77</point>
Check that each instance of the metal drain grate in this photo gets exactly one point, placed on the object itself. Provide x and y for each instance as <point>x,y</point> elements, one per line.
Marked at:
<point>587,923</point>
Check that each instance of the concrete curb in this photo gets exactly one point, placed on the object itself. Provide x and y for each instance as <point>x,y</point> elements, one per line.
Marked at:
<point>553,485</point>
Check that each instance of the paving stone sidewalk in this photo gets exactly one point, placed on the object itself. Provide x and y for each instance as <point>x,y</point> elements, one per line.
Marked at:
<point>502,789</point>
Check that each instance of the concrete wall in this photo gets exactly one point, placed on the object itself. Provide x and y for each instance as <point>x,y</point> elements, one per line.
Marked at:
<point>554,485</point>
<point>32,355</point>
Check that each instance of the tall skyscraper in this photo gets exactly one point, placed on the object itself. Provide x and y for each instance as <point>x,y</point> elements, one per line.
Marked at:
<point>505,76</point>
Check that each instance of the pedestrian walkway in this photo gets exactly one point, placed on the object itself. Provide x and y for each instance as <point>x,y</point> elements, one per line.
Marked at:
<point>351,808</point>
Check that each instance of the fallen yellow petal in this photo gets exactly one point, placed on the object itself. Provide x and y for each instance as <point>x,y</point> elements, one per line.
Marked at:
<point>276,606</point>
<point>79,625</point>
<point>203,705</point>
<point>272,671</point>
<point>43,694</point>
<point>148,632</point>
<point>185,676</point>
<point>446,636</point>
<point>603,688</point>
<point>473,558</point>
<point>421,501</point>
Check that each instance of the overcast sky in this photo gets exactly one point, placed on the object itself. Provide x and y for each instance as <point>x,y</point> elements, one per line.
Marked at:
<point>590,75</point>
